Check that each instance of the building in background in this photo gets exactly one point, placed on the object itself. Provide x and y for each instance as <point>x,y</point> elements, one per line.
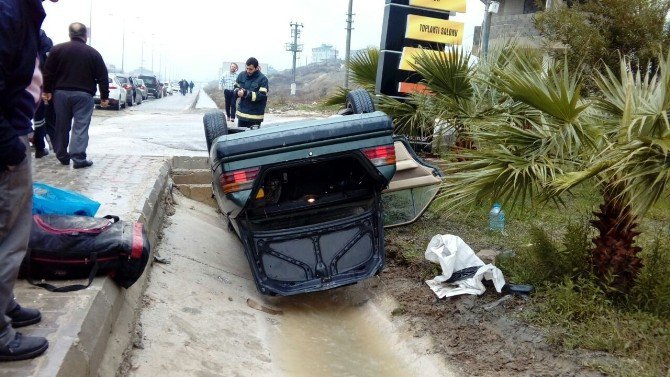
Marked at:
<point>514,20</point>
<point>324,53</point>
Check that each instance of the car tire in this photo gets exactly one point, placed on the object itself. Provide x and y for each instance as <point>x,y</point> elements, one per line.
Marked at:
<point>360,102</point>
<point>215,126</point>
<point>139,101</point>
<point>118,105</point>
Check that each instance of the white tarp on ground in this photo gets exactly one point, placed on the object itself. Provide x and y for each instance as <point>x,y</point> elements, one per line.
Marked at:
<point>453,254</point>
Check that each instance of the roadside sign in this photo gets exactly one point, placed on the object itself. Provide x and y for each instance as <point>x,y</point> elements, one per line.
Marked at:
<point>409,26</point>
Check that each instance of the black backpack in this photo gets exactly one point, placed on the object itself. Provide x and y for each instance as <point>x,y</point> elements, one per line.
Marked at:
<point>76,247</point>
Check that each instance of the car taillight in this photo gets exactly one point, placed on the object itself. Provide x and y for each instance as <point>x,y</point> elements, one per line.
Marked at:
<point>384,155</point>
<point>238,180</point>
<point>112,87</point>
<point>126,86</point>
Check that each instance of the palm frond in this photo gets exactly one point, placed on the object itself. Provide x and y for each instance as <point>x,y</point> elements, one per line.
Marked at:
<point>363,68</point>
<point>337,98</point>
<point>448,74</point>
<point>498,174</point>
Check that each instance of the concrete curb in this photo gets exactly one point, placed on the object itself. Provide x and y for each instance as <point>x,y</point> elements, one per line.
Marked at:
<point>129,303</point>
<point>107,322</point>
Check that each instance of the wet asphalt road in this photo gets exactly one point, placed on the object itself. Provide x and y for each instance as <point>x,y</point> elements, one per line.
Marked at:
<point>157,127</point>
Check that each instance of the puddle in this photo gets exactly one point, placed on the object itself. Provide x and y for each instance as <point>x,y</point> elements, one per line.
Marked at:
<point>332,334</point>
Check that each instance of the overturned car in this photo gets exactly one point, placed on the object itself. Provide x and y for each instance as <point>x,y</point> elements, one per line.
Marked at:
<point>305,197</point>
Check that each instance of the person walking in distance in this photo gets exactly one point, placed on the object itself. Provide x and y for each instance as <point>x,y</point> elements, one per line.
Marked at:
<point>20,81</point>
<point>228,84</point>
<point>71,73</point>
<point>190,87</point>
<point>251,88</point>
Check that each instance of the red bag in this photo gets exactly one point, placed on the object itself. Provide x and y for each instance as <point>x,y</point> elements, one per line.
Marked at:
<point>75,247</point>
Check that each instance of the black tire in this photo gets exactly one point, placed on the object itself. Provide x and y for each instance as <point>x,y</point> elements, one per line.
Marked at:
<point>118,105</point>
<point>360,102</point>
<point>215,126</point>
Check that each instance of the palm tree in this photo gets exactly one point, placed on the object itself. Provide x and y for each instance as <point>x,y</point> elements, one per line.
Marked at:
<point>552,140</point>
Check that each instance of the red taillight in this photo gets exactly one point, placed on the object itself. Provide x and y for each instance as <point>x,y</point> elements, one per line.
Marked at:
<point>126,86</point>
<point>384,155</point>
<point>112,87</point>
<point>238,180</point>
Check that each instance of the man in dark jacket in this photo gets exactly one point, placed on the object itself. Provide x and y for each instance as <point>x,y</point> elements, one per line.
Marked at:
<point>20,80</point>
<point>71,73</point>
<point>252,89</point>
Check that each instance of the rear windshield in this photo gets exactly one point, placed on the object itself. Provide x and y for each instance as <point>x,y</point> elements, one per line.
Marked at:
<point>122,80</point>
<point>149,80</point>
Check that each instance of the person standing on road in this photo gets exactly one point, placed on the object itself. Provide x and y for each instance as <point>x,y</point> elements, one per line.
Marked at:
<point>71,73</point>
<point>251,88</point>
<point>228,84</point>
<point>190,87</point>
<point>20,81</point>
<point>183,87</point>
<point>43,120</point>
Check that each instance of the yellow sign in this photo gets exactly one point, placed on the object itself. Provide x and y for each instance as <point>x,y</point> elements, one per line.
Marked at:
<point>410,54</point>
<point>445,5</point>
<point>434,30</point>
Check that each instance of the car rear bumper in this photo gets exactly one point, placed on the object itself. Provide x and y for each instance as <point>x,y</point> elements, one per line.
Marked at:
<point>112,101</point>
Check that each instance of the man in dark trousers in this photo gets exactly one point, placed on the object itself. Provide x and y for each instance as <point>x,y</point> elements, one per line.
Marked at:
<point>20,81</point>
<point>228,85</point>
<point>190,87</point>
<point>252,89</point>
<point>71,73</point>
<point>44,116</point>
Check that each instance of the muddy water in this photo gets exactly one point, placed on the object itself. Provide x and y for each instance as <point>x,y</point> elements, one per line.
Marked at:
<point>334,333</point>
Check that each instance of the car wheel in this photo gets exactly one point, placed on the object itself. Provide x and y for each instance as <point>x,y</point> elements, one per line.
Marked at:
<point>215,126</point>
<point>118,104</point>
<point>139,101</point>
<point>360,102</point>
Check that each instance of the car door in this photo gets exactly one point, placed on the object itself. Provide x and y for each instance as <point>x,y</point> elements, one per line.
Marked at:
<point>413,187</point>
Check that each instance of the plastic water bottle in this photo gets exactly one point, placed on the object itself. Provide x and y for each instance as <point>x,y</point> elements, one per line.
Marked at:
<point>497,218</point>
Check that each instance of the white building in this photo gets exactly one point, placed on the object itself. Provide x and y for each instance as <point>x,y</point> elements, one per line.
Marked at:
<point>323,53</point>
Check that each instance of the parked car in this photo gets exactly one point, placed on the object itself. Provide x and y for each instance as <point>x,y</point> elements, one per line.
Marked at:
<point>166,88</point>
<point>133,95</point>
<point>117,94</point>
<point>143,88</point>
<point>153,85</point>
<point>175,87</point>
<point>306,199</point>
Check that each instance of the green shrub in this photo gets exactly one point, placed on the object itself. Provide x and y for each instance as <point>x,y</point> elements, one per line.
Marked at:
<point>546,261</point>
<point>652,287</point>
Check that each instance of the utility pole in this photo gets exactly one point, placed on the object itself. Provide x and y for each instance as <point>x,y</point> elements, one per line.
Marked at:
<point>347,53</point>
<point>295,48</point>
<point>491,7</point>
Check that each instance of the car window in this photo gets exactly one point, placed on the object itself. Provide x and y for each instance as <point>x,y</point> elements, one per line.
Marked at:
<point>122,80</point>
<point>150,80</point>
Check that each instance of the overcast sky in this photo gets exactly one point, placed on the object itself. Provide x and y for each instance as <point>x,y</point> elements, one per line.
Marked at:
<point>190,39</point>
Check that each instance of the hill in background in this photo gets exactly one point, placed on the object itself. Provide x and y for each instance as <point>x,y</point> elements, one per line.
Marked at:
<point>314,82</point>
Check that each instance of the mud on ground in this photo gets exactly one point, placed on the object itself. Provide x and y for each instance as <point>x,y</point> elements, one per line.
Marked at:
<point>480,335</point>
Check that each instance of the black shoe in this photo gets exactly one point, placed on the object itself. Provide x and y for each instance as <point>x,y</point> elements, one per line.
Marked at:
<point>23,347</point>
<point>24,316</point>
<point>41,153</point>
<point>82,164</point>
<point>64,161</point>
